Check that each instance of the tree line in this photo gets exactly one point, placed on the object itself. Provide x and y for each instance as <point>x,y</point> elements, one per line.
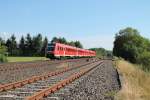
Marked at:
<point>131,46</point>
<point>64,41</point>
<point>31,46</point>
<point>102,53</point>
<point>27,46</point>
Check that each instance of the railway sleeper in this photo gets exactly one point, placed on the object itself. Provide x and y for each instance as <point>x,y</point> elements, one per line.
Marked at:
<point>58,78</point>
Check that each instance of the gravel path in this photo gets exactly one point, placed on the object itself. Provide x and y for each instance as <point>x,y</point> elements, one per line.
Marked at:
<point>99,84</point>
<point>32,69</point>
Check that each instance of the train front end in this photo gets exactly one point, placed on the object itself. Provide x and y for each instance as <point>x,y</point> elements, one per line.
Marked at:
<point>50,51</point>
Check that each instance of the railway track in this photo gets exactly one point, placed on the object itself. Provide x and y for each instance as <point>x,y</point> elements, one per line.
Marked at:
<point>35,69</point>
<point>20,66</point>
<point>8,86</point>
<point>40,87</point>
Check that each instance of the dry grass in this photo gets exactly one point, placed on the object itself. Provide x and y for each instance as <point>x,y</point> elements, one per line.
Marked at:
<point>136,83</point>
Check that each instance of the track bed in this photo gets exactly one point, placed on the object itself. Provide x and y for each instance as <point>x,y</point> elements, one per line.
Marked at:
<point>95,80</point>
<point>30,89</point>
<point>100,83</point>
<point>12,72</point>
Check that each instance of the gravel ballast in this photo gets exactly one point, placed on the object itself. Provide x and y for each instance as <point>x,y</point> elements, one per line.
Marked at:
<point>32,68</point>
<point>99,84</point>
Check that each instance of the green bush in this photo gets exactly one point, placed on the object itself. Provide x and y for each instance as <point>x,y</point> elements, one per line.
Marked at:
<point>3,58</point>
<point>144,59</point>
<point>131,46</point>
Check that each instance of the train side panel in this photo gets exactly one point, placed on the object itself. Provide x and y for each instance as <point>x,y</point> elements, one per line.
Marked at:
<point>59,50</point>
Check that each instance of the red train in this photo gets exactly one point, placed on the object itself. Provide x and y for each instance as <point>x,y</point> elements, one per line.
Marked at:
<point>58,51</point>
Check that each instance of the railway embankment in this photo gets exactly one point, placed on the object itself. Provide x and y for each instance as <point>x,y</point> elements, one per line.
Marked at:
<point>135,82</point>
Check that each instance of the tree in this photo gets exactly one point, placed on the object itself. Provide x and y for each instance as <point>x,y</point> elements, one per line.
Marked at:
<point>71,43</point>
<point>37,44</point>
<point>8,44</point>
<point>131,46</point>
<point>101,52</point>
<point>44,46</point>
<point>13,46</point>
<point>62,40</point>
<point>2,42</point>
<point>59,40</point>
<point>22,46</point>
<point>28,45</point>
<point>78,44</point>
<point>125,44</point>
<point>54,39</point>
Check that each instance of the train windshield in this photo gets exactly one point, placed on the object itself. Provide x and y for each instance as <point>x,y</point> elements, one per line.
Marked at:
<point>50,47</point>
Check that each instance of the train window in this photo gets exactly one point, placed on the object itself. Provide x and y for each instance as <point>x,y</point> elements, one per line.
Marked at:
<point>61,48</point>
<point>49,44</point>
<point>51,48</point>
<point>58,48</point>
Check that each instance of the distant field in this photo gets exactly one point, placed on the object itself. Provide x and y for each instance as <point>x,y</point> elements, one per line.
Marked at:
<point>24,59</point>
<point>135,82</point>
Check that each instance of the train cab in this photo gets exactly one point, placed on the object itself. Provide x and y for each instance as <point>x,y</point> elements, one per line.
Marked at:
<point>50,50</point>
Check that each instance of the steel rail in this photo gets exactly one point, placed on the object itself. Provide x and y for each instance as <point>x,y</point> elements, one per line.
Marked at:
<point>58,85</point>
<point>21,83</point>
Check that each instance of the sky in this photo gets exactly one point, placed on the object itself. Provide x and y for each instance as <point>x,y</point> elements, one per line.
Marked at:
<point>93,22</point>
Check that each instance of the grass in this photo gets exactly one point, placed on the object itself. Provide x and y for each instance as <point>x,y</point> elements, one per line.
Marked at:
<point>24,59</point>
<point>136,82</point>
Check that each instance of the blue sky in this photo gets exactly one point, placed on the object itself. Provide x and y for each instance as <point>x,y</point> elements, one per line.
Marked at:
<point>93,22</point>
